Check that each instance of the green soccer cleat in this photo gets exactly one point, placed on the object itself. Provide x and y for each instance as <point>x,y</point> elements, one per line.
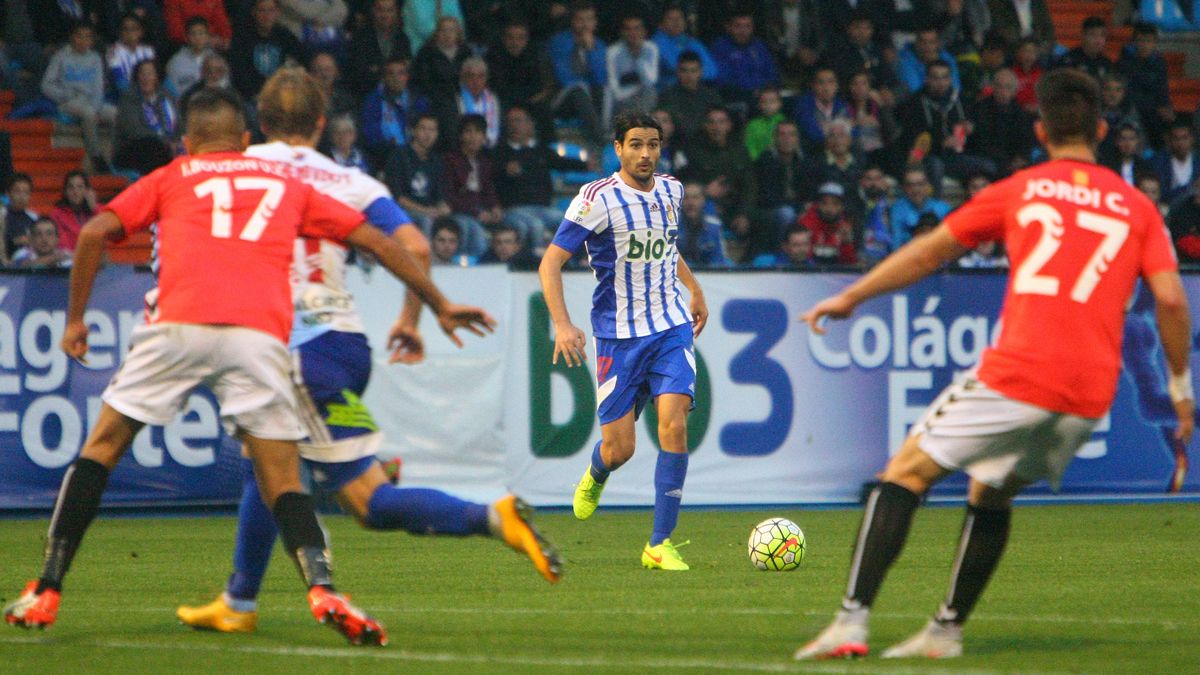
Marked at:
<point>587,495</point>
<point>664,557</point>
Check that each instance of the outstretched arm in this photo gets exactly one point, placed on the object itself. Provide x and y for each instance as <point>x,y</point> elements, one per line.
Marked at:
<point>1175,331</point>
<point>914,261</point>
<point>89,251</point>
<point>393,256</point>
<point>569,341</point>
<point>404,339</point>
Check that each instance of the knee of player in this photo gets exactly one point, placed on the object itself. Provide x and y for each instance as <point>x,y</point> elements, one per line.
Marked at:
<point>617,451</point>
<point>672,432</point>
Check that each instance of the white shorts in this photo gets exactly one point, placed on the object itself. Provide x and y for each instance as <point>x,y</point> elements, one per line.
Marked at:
<point>247,370</point>
<point>972,428</point>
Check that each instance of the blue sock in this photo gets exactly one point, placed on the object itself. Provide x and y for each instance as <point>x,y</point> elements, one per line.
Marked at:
<point>669,474</point>
<point>424,511</point>
<point>256,534</point>
<point>600,472</point>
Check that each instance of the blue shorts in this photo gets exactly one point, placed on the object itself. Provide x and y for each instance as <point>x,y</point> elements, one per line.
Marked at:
<point>334,370</point>
<point>630,371</point>
<point>332,476</point>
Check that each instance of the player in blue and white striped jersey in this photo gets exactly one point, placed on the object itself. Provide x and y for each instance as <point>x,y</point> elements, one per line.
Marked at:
<point>642,325</point>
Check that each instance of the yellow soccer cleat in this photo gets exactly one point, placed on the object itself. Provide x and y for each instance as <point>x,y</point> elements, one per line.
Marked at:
<point>665,556</point>
<point>587,495</point>
<point>514,527</point>
<point>218,616</point>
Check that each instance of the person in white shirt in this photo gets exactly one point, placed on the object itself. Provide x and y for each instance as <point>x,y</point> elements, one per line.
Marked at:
<point>183,70</point>
<point>632,66</point>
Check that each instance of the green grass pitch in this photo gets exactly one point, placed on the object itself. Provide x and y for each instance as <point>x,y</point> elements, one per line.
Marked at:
<point>1082,589</point>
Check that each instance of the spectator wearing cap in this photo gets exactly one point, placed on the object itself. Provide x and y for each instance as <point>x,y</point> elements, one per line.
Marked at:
<point>832,232</point>
<point>917,200</point>
<point>700,239</point>
<point>673,42</point>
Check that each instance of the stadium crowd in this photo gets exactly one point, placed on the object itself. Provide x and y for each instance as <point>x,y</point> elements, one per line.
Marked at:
<point>807,133</point>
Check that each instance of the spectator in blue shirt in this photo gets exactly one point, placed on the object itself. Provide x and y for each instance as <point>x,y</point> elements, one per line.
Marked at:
<point>915,59</point>
<point>744,61</point>
<point>818,107</point>
<point>387,110</point>
<point>699,240</point>
<point>917,201</point>
<point>794,253</point>
<point>580,67</point>
<point>672,41</point>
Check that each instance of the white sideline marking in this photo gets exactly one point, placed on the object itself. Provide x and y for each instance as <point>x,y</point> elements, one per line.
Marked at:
<point>735,611</point>
<point>391,654</point>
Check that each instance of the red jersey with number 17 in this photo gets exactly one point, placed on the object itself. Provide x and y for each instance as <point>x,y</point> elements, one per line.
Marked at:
<point>1078,238</point>
<point>226,227</point>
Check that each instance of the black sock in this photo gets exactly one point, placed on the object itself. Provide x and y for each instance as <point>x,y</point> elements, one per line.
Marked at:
<point>303,538</point>
<point>984,534</point>
<point>884,528</point>
<point>78,502</point>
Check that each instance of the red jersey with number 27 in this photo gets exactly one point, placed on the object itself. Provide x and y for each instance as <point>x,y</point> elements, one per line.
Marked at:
<point>1078,238</point>
<point>226,227</point>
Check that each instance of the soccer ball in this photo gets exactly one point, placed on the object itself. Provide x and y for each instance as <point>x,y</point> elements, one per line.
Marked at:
<point>777,544</point>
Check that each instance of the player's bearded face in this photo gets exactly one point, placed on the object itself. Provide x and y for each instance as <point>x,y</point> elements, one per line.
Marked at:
<point>640,152</point>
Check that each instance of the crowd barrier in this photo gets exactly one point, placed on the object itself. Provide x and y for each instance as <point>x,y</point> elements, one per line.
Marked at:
<point>782,416</point>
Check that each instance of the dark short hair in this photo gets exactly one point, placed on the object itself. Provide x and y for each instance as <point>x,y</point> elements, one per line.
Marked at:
<point>1182,122</point>
<point>634,119</point>
<point>939,63</point>
<point>207,102</point>
<point>1093,22</point>
<point>19,177</point>
<point>689,55</point>
<point>45,219</point>
<point>860,15</point>
<point>396,58</point>
<point>580,6</point>
<point>472,120</point>
<point>416,119</point>
<point>993,41</point>
<point>1144,28</point>
<point>195,21</point>
<point>505,227</point>
<point>1070,103</point>
<point>446,223</point>
<point>79,25</point>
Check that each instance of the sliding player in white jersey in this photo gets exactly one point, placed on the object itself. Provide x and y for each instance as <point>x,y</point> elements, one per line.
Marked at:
<point>643,329</point>
<point>332,362</point>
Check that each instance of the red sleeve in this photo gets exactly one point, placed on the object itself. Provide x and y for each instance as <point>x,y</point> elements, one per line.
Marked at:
<point>982,218</point>
<point>328,218</point>
<point>137,205</point>
<point>1158,254</point>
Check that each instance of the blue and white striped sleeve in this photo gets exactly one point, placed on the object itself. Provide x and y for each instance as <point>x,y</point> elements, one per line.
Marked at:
<point>584,217</point>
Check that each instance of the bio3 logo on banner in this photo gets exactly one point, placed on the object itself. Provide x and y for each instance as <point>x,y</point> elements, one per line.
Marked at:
<point>766,320</point>
<point>50,412</point>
